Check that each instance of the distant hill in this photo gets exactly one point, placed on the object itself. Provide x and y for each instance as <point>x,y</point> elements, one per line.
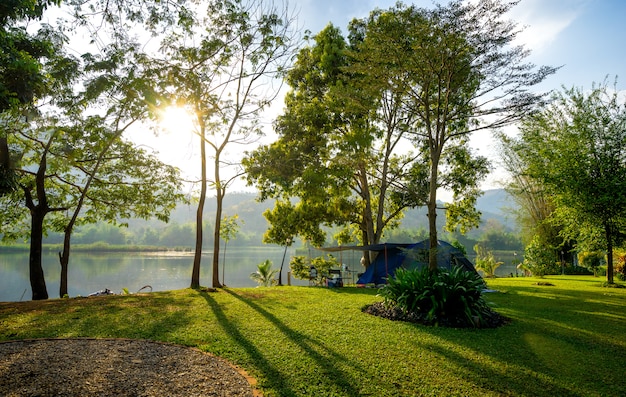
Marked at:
<point>494,204</point>
<point>498,204</point>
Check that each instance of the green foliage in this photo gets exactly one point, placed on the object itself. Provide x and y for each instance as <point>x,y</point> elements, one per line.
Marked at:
<point>620,264</point>
<point>485,261</point>
<point>577,270</point>
<point>301,268</point>
<point>539,259</point>
<point>592,260</point>
<point>264,274</point>
<point>445,297</point>
<point>588,193</point>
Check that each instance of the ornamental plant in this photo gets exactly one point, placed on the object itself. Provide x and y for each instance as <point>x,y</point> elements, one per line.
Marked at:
<point>443,297</point>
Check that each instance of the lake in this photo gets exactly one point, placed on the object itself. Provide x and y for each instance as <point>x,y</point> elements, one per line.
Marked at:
<point>163,271</point>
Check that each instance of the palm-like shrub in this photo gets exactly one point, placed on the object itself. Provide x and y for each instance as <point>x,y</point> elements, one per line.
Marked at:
<point>486,261</point>
<point>443,297</point>
<point>264,274</point>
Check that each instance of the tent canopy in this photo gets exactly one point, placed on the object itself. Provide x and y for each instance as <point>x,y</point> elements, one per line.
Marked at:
<point>409,256</point>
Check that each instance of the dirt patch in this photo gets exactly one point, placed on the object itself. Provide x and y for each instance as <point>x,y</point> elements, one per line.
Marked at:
<point>115,367</point>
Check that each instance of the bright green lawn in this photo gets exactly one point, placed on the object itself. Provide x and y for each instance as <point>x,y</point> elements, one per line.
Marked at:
<point>564,340</point>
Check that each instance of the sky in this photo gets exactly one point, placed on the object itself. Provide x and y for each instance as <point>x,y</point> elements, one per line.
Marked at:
<point>584,37</point>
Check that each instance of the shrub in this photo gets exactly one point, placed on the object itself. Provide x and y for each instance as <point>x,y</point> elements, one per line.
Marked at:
<point>619,265</point>
<point>301,269</point>
<point>577,270</point>
<point>485,261</point>
<point>443,297</point>
<point>592,260</point>
<point>264,274</point>
<point>539,259</point>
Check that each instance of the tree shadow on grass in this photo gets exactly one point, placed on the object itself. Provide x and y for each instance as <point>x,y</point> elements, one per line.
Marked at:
<point>553,346</point>
<point>338,380</point>
<point>269,370</point>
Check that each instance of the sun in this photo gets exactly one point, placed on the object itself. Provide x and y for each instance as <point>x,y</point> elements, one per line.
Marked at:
<point>176,119</point>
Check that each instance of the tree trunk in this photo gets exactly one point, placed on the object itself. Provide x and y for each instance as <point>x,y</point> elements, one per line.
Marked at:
<point>216,233</point>
<point>280,272</point>
<point>197,259</point>
<point>37,279</point>
<point>432,212</point>
<point>64,261</point>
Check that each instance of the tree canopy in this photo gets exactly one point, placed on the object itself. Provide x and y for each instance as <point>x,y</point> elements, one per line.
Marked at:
<point>430,77</point>
<point>575,149</point>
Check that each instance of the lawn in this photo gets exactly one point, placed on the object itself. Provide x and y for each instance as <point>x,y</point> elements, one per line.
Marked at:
<point>567,339</point>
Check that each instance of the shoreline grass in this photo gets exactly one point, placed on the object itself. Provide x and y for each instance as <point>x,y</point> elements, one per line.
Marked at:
<point>564,340</point>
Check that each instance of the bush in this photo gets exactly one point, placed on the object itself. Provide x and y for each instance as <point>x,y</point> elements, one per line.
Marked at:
<point>577,271</point>
<point>451,298</point>
<point>301,269</point>
<point>619,265</point>
<point>539,259</point>
<point>592,260</point>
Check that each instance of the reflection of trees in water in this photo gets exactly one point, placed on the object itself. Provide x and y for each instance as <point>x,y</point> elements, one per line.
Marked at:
<point>90,272</point>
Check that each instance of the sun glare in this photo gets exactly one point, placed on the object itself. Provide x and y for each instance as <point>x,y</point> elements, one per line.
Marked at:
<point>176,119</point>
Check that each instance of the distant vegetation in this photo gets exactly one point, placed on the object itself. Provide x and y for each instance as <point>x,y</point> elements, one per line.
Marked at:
<point>497,231</point>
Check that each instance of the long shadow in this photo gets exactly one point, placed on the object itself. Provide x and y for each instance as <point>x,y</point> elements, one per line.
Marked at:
<point>541,370</point>
<point>344,381</point>
<point>269,371</point>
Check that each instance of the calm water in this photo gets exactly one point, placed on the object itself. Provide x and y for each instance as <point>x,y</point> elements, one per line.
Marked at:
<point>90,272</point>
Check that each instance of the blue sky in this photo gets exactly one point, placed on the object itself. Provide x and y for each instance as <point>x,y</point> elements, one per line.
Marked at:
<point>586,37</point>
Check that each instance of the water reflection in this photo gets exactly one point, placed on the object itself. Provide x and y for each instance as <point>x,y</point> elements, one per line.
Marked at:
<point>90,272</point>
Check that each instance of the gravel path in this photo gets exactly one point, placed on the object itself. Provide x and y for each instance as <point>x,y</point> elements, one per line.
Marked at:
<point>115,367</point>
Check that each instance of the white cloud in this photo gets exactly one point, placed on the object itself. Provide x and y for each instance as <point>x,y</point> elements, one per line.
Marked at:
<point>543,21</point>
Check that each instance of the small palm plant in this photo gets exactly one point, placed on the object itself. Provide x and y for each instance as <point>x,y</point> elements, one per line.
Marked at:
<point>485,261</point>
<point>264,274</point>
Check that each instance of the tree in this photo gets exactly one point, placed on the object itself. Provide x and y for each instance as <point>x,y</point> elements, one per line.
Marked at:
<point>22,76</point>
<point>63,171</point>
<point>224,78</point>
<point>337,152</point>
<point>461,75</point>
<point>575,149</point>
<point>535,205</point>
<point>230,227</point>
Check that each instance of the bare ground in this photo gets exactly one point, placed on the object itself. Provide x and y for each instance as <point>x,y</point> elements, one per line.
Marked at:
<point>115,367</point>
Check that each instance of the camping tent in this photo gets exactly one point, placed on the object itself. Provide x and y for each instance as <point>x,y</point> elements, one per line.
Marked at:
<point>409,256</point>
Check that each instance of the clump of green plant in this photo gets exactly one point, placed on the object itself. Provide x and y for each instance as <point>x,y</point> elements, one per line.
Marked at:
<point>264,274</point>
<point>485,261</point>
<point>620,266</point>
<point>301,268</point>
<point>592,260</point>
<point>442,297</point>
<point>539,259</point>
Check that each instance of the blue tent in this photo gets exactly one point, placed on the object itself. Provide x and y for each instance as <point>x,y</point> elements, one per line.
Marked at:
<point>409,256</point>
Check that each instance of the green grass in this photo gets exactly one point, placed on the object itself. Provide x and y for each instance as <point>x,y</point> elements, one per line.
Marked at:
<point>564,340</point>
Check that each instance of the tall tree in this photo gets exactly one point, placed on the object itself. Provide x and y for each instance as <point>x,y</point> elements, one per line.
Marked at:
<point>535,205</point>
<point>576,149</point>
<point>461,74</point>
<point>223,74</point>
<point>337,150</point>
<point>80,173</point>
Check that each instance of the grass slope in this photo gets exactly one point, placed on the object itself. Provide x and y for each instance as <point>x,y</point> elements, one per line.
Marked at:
<point>564,340</point>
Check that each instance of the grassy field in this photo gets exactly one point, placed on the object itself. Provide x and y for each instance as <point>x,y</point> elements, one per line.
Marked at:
<point>568,339</point>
